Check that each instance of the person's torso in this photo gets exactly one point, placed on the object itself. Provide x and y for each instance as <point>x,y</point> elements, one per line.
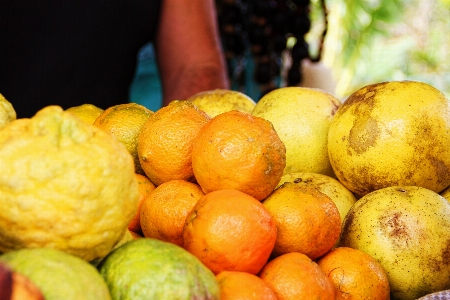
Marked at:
<point>71,52</point>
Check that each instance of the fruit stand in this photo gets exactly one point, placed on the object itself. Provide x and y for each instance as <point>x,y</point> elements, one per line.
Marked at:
<point>298,194</point>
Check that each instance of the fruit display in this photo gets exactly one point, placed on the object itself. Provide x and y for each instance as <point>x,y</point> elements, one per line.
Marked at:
<point>297,196</point>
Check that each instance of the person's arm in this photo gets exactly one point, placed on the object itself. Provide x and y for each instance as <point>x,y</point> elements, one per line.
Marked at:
<point>188,48</point>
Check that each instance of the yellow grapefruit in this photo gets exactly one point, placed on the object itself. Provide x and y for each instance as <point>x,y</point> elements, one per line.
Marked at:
<point>301,117</point>
<point>217,101</point>
<point>392,133</point>
<point>406,229</point>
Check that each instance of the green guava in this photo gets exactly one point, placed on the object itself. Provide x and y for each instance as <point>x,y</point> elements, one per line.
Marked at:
<point>57,274</point>
<point>152,269</point>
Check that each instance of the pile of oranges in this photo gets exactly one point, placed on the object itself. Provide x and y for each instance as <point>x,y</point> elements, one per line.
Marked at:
<point>211,185</point>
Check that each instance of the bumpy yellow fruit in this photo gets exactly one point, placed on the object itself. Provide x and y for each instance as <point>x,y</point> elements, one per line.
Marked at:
<point>215,102</point>
<point>301,116</point>
<point>86,112</point>
<point>7,112</point>
<point>392,133</point>
<point>406,229</point>
<point>64,184</point>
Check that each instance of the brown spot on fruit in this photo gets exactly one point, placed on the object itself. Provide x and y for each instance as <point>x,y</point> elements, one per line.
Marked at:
<point>441,170</point>
<point>364,134</point>
<point>363,99</point>
<point>347,227</point>
<point>440,262</point>
<point>446,254</point>
<point>334,108</point>
<point>395,228</point>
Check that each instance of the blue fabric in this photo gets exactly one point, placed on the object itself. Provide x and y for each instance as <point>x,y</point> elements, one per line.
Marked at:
<point>145,88</point>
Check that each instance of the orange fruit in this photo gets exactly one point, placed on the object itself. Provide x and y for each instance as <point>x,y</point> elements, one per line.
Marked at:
<point>243,286</point>
<point>86,112</point>
<point>164,211</point>
<point>165,143</point>
<point>236,150</point>
<point>295,276</point>
<point>125,121</point>
<point>145,186</point>
<point>355,274</point>
<point>307,220</point>
<point>229,230</point>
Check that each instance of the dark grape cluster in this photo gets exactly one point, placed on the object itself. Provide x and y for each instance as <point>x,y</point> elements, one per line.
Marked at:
<point>259,29</point>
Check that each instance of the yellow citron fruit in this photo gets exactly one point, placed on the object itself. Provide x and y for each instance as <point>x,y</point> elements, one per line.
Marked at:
<point>86,112</point>
<point>406,229</point>
<point>341,196</point>
<point>7,112</point>
<point>125,122</point>
<point>217,101</point>
<point>392,133</point>
<point>64,184</point>
<point>301,116</point>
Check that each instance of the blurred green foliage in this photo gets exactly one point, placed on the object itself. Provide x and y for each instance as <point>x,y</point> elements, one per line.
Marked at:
<point>382,40</point>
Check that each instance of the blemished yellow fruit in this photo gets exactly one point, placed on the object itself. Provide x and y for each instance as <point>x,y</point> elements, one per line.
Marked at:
<point>64,184</point>
<point>217,101</point>
<point>301,116</point>
<point>341,196</point>
<point>86,112</point>
<point>406,229</point>
<point>7,112</point>
<point>389,134</point>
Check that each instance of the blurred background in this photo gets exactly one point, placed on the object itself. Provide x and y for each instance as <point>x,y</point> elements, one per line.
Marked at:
<point>336,45</point>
